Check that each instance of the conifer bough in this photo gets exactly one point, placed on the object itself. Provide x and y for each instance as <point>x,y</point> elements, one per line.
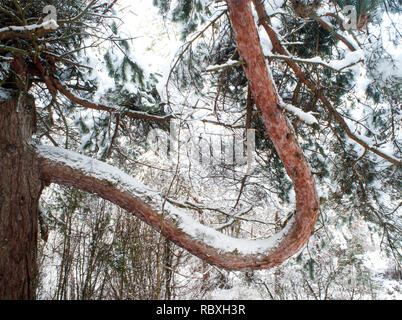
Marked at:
<point>285,143</point>
<point>26,169</point>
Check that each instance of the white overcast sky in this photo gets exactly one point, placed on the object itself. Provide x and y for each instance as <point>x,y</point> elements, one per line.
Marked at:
<point>155,41</point>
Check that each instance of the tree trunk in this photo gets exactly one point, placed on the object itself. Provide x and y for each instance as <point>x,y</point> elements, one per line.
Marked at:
<point>20,189</point>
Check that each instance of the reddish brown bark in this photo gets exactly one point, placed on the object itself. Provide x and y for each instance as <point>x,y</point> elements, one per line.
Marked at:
<point>20,188</point>
<point>277,47</point>
<point>278,129</point>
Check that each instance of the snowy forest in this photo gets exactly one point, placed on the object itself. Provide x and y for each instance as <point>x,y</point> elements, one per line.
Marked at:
<point>200,149</point>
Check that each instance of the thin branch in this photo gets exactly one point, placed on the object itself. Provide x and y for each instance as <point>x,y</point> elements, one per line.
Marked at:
<point>327,27</point>
<point>78,16</point>
<point>13,49</point>
<point>91,105</point>
<point>11,14</point>
<point>314,61</point>
<point>25,32</point>
<point>265,21</point>
<point>229,64</point>
<point>185,47</point>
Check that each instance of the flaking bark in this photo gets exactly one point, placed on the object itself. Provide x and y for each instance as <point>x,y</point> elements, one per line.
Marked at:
<point>20,189</point>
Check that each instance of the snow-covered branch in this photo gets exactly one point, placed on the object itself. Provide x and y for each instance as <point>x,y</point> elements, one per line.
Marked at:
<point>306,117</point>
<point>72,169</point>
<point>327,26</point>
<point>11,32</point>
<point>6,59</point>
<point>355,53</point>
<point>350,59</point>
<point>228,64</point>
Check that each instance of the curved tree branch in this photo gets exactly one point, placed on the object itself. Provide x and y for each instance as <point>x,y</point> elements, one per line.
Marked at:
<point>71,169</point>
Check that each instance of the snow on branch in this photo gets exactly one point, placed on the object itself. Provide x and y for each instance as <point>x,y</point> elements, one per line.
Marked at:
<point>31,27</point>
<point>275,40</point>
<point>350,59</point>
<point>73,169</point>
<point>229,64</point>
<point>110,175</point>
<point>95,169</point>
<point>306,117</point>
<point>16,31</point>
<point>6,59</point>
<point>329,27</point>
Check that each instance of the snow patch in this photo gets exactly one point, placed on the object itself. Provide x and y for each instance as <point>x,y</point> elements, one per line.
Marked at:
<point>4,94</point>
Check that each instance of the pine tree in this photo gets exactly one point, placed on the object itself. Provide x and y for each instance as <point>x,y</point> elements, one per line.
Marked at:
<point>306,99</point>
